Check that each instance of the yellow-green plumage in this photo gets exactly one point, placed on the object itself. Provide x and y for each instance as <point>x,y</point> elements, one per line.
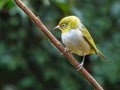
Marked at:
<point>76,37</point>
<point>89,39</point>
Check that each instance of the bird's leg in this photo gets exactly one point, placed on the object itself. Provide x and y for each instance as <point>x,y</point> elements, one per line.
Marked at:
<point>81,64</point>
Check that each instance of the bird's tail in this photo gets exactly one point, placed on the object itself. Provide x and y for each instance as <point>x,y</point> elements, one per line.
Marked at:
<point>101,55</point>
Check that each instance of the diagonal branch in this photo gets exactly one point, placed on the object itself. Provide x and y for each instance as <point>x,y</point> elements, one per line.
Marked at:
<point>57,44</point>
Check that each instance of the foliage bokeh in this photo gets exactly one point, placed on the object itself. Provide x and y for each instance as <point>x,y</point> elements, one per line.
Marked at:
<point>28,61</point>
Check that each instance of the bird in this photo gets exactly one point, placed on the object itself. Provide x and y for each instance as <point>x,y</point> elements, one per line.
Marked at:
<point>76,38</point>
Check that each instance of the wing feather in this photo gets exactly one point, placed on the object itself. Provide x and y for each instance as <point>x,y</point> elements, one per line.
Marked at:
<point>89,39</point>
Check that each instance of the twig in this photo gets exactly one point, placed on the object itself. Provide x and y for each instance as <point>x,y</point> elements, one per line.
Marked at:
<point>57,44</point>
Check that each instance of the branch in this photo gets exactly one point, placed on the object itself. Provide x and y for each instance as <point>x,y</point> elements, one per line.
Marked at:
<point>57,44</point>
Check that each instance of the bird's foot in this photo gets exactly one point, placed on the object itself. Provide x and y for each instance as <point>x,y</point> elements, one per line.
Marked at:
<point>80,66</point>
<point>66,50</point>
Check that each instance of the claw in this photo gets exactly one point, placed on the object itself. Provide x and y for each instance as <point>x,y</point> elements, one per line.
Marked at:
<point>81,64</point>
<point>66,50</point>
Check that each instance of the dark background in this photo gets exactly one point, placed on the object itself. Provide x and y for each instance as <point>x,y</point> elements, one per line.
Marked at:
<point>28,61</point>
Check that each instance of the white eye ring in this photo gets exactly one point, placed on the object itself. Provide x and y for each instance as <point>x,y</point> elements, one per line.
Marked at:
<point>63,25</point>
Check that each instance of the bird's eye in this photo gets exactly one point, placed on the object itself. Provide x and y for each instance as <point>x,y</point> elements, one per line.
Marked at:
<point>63,25</point>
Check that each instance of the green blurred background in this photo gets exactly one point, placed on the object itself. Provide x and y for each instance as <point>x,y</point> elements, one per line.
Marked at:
<point>28,61</point>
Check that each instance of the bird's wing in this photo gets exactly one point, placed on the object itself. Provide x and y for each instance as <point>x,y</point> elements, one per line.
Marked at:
<point>88,38</point>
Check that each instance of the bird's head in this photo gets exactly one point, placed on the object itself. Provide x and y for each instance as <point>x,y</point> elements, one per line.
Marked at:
<point>68,23</point>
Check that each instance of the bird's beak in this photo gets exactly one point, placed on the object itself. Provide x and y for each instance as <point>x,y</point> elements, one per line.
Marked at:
<point>56,27</point>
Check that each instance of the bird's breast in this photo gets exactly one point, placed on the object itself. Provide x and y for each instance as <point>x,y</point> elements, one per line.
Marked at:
<point>75,42</point>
